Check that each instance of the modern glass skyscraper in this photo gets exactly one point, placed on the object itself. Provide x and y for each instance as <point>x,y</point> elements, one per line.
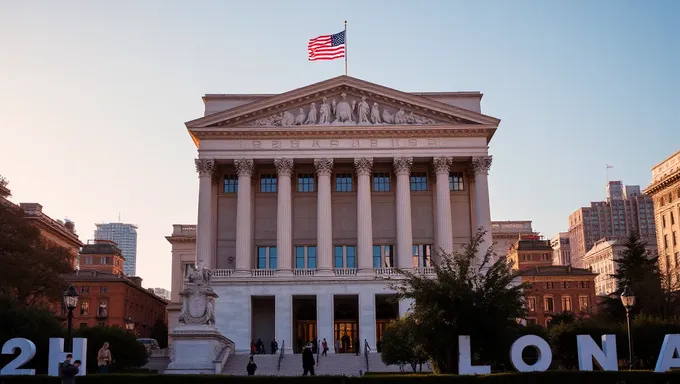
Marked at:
<point>125,236</point>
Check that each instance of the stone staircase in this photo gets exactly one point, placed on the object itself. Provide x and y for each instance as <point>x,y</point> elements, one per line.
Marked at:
<point>291,365</point>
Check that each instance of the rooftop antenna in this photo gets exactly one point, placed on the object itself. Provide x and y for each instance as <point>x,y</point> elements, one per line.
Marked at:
<point>119,217</point>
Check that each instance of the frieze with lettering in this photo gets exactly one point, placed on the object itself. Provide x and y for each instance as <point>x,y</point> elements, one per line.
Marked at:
<point>340,144</point>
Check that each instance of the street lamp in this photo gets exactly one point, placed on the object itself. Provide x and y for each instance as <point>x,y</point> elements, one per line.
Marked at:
<point>71,302</point>
<point>129,324</point>
<point>628,300</point>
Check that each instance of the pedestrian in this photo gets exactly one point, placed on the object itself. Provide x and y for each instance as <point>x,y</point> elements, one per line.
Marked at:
<point>104,358</point>
<point>274,346</point>
<point>251,367</point>
<point>69,372</point>
<point>324,345</point>
<point>308,360</point>
<point>357,345</point>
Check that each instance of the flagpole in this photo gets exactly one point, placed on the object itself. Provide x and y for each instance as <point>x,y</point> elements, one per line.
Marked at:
<point>345,47</point>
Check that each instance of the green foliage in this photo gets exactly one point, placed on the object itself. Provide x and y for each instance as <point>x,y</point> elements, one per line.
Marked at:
<point>160,333</point>
<point>562,318</point>
<point>562,338</point>
<point>399,345</point>
<point>34,323</point>
<point>125,350</point>
<point>648,334</point>
<point>32,266</point>
<point>467,297</point>
<point>553,377</point>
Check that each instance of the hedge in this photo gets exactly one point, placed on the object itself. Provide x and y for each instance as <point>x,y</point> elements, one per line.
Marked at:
<point>550,377</point>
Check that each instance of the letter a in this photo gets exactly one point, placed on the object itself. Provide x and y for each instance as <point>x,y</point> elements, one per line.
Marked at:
<point>465,366</point>
<point>588,350</point>
<point>669,349</point>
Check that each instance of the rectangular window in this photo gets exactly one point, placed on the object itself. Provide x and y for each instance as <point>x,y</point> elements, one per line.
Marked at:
<point>84,308</point>
<point>549,304</point>
<point>566,303</point>
<point>583,303</point>
<point>377,259</point>
<point>456,181</point>
<point>230,184</point>
<point>343,182</point>
<point>84,289</point>
<point>531,304</point>
<point>299,257</point>
<point>103,289</point>
<point>272,258</point>
<point>672,219</point>
<point>88,259</point>
<point>311,257</point>
<point>305,182</point>
<point>351,256</point>
<point>268,183</point>
<point>419,181</point>
<point>337,252</point>
<point>421,255</point>
<point>388,256</point>
<point>381,182</point>
<point>261,257</point>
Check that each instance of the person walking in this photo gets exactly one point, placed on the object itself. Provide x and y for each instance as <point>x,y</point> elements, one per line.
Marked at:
<point>104,358</point>
<point>308,360</point>
<point>69,372</point>
<point>324,345</point>
<point>251,367</point>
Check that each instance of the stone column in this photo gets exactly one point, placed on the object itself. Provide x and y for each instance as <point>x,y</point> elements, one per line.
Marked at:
<point>283,320</point>
<point>481,166</point>
<point>442,166</point>
<point>364,216</point>
<point>367,320</point>
<point>324,322</point>
<point>402,168</point>
<point>204,246</point>
<point>284,218</point>
<point>244,227</point>
<point>324,224</point>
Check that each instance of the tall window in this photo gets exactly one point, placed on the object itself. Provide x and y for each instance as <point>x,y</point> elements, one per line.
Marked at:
<point>531,304</point>
<point>549,304</point>
<point>305,257</point>
<point>421,255</point>
<point>305,182</point>
<point>456,181</point>
<point>84,308</point>
<point>566,303</point>
<point>268,183</point>
<point>343,182</point>
<point>230,184</point>
<point>344,256</point>
<point>419,181</point>
<point>583,303</point>
<point>381,182</point>
<point>102,310</point>
<point>383,256</point>
<point>266,258</point>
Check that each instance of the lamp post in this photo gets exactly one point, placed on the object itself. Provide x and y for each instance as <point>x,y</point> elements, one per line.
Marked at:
<point>628,300</point>
<point>71,302</point>
<point>129,324</point>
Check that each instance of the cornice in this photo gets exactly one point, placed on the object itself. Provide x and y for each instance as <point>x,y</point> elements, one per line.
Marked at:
<point>663,184</point>
<point>179,240</point>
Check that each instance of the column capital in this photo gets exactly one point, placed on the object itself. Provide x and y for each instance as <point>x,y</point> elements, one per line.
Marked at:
<point>402,165</point>
<point>204,167</point>
<point>442,165</point>
<point>481,164</point>
<point>363,165</point>
<point>244,167</point>
<point>324,166</point>
<point>284,166</point>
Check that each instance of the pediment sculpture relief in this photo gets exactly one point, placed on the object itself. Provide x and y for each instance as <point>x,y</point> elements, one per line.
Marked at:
<point>343,111</point>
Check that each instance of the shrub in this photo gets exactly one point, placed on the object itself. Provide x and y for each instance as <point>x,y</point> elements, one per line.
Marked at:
<point>125,350</point>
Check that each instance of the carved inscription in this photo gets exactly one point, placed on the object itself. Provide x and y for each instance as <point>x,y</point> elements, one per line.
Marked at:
<point>339,144</point>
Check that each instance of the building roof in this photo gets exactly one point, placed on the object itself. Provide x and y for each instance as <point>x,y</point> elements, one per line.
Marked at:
<point>89,275</point>
<point>664,174</point>
<point>557,270</point>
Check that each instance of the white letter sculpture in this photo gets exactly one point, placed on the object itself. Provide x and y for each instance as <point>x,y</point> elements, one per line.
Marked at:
<point>27,349</point>
<point>588,350</point>
<point>57,355</point>
<point>544,354</point>
<point>465,366</point>
<point>669,349</point>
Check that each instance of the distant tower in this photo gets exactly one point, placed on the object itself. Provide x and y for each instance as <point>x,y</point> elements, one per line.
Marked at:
<point>125,237</point>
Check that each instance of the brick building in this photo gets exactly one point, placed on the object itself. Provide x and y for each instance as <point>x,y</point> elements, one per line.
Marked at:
<point>554,289</point>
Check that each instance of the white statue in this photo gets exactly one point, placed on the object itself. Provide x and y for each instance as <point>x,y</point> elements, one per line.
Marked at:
<point>375,114</point>
<point>287,119</point>
<point>300,119</point>
<point>387,117</point>
<point>364,110</point>
<point>400,117</point>
<point>311,115</point>
<point>334,106</point>
<point>324,112</point>
<point>344,112</point>
<point>198,298</point>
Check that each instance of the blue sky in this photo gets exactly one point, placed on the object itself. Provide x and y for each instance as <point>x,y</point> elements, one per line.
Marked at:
<point>94,94</point>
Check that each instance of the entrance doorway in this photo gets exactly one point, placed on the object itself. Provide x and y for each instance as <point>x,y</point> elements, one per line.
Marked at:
<point>386,310</point>
<point>304,320</point>
<point>263,323</point>
<point>346,325</point>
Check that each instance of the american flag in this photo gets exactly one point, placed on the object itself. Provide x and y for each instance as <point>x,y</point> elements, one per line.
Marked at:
<point>327,47</point>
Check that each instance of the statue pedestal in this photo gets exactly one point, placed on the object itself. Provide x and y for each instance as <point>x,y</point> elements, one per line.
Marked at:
<point>198,349</point>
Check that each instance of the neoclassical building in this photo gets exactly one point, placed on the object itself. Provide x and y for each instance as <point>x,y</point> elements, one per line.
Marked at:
<point>309,199</point>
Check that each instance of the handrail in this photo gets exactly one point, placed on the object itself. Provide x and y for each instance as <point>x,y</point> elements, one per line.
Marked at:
<point>366,349</point>
<point>283,346</point>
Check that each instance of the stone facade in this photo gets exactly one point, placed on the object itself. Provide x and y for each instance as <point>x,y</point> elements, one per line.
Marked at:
<point>310,199</point>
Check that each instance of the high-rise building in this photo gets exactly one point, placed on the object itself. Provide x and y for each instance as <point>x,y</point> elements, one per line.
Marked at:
<point>125,237</point>
<point>665,191</point>
<point>625,210</point>
<point>561,249</point>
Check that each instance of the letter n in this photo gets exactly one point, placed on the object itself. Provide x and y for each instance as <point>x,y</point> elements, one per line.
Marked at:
<point>588,350</point>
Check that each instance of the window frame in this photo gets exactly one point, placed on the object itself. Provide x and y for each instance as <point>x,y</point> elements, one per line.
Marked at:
<point>270,180</point>
<point>305,182</point>
<point>345,255</point>
<point>267,257</point>
<point>345,176</point>
<point>418,181</point>
<point>456,179</point>
<point>385,179</point>
<point>230,183</point>
<point>545,304</point>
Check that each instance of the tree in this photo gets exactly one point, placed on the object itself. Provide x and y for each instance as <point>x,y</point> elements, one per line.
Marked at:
<point>399,346</point>
<point>466,296</point>
<point>126,351</point>
<point>159,331</point>
<point>565,317</point>
<point>32,265</point>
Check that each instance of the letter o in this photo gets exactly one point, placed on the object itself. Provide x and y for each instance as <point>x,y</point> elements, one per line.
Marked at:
<point>544,354</point>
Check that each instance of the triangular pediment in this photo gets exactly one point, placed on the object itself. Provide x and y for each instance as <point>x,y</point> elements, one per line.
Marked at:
<point>343,101</point>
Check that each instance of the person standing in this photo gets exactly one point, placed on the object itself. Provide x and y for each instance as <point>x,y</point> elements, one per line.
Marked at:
<point>104,358</point>
<point>251,367</point>
<point>69,372</point>
<point>308,360</point>
<point>324,345</point>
